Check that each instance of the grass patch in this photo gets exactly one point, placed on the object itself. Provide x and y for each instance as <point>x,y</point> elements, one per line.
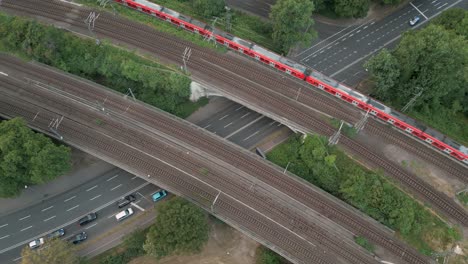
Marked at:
<point>330,169</point>
<point>463,198</point>
<point>363,242</point>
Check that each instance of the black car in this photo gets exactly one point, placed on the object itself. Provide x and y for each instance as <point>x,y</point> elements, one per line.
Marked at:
<point>78,238</point>
<point>87,219</point>
<point>126,200</point>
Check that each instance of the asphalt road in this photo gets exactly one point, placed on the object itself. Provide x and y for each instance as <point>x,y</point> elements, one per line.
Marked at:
<point>240,125</point>
<point>98,195</point>
<point>340,52</point>
<point>342,55</point>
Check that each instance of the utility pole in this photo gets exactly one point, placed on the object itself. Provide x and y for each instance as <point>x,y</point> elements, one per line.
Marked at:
<point>286,169</point>
<point>130,92</point>
<point>90,20</point>
<point>210,37</point>
<point>214,201</point>
<point>186,57</point>
<point>103,3</point>
<point>361,123</point>
<point>413,100</point>
<point>336,136</point>
<point>228,18</point>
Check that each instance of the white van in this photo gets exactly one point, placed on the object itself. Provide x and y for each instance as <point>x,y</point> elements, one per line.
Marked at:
<point>124,214</point>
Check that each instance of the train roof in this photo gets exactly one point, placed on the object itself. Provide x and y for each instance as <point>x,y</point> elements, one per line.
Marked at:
<point>414,123</point>
<point>242,42</point>
<point>464,150</point>
<point>266,52</point>
<point>379,106</point>
<point>149,4</point>
<point>359,96</point>
<point>451,143</point>
<point>198,23</point>
<point>184,18</point>
<point>323,78</point>
<point>293,64</point>
<point>344,88</point>
<point>434,133</point>
<point>170,12</point>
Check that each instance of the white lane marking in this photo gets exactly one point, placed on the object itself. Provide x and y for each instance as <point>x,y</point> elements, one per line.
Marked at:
<point>71,198</point>
<point>250,123</point>
<point>134,178</point>
<point>21,243</point>
<point>322,41</point>
<point>116,187</point>
<point>52,217</point>
<point>239,108</point>
<point>4,237</point>
<point>25,228</point>
<point>95,197</point>
<point>433,1</point>
<point>223,117</point>
<point>442,6</point>
<point>91,226</point>
<point>245,115</point>
<point>139,207</point>
<point>2,73</point>
<point>73,3</point>
<point>21,219</point>
<point>207,126</point>
<point>113,177</point>
<point>228,124</point>
<point>76,206</point>
<point>16,259</point>
<point>417,9</point>
<point>392,40</point>
<point>438,4</point>
<point>45,209</point>
<point>110,216</point>
<point>251,135</point>
<point>3,225</point>
<point>95,186</point>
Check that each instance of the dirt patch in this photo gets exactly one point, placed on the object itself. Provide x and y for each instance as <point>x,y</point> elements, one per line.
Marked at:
<point>225,246</point>
<point>428,172</point>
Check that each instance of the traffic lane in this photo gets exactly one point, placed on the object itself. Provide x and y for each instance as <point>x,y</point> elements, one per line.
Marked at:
<point>368,38</point>
<point>220,113</point>
<point>255,133</point>
<point>237,123</point>
<point>64,208</point>
<point>105,221</point>
<point>231,121</point>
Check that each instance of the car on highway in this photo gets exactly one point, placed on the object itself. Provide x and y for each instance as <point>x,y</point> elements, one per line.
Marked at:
<point>158,195</point>
<point>87,219</point>
<point>57,233</point>
<point>36,243</point>
<point>414,21</point>
<point>124,214</point>
<point>126,200</point>
<point>78,238</point>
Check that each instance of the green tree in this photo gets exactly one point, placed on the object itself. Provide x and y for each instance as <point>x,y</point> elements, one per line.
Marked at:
<point>27,157</point>
<point>267,256</point>
<point>385,70</point>
<point>56,251</point>
<point>451,19</point>
<point>209,8</point>
<point>390,2</point>
<point>180,227</point>
<point>292,23</point>
<point>351,8</point>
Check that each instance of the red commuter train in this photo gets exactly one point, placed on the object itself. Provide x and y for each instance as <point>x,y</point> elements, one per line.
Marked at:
<point>315,78</point>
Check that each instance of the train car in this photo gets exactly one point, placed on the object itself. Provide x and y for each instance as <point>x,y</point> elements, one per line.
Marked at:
<point>315,78</point>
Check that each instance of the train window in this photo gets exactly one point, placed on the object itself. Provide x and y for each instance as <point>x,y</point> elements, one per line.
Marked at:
<point>272,64</point>
<point>428,140</point>
<point>196,30</point>
<point>391,121</point>
<point>320,86</point>
<point>241,50</point>
<point>338,95</point>
<point>409,130</point>
<point>257,57</point>
<point>373,112</point>
<point>354,102</point>
<point>288,71</point>
<point>448,150</point>
<point>168,19</point>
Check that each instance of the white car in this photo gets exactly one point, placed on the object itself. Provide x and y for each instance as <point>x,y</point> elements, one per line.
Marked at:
<point>124,214</point>
<point>36,243</point>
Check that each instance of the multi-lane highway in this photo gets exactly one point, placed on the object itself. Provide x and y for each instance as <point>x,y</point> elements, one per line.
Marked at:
<point>63,211</point>
<point>261,197</point>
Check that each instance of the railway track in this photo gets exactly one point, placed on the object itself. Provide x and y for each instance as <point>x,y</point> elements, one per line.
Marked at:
<point>269,203</point>
<point>306,195</point>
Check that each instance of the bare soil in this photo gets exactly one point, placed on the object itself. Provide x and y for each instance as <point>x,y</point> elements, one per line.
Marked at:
<point>225,246</point>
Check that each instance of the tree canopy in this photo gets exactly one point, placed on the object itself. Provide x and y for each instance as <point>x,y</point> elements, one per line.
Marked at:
<point>432,63</point>
<point>55,251</point>
<point>351,8</point>
<point>209,8</point>
<point>292,23</point>
<point>180,227</point>
<point>27,157</point>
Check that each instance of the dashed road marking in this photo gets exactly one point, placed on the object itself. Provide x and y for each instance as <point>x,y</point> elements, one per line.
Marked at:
<point>21,219</point>
<point>93,225</point>
<point>113,177</point>
<point>71,198</point>
<point>116,187</point>
<point>2,73</point>
<point>223,117</point>
<point>45,209</point>
<point>139,207</point>
<point>69,209</point>
<point>50,218</point>
<point>3,225</point>
<point>95,197</point>
<point>228,124</point>
<point>4,237</point>
<point>95,186</point>
<point>24,229</point>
